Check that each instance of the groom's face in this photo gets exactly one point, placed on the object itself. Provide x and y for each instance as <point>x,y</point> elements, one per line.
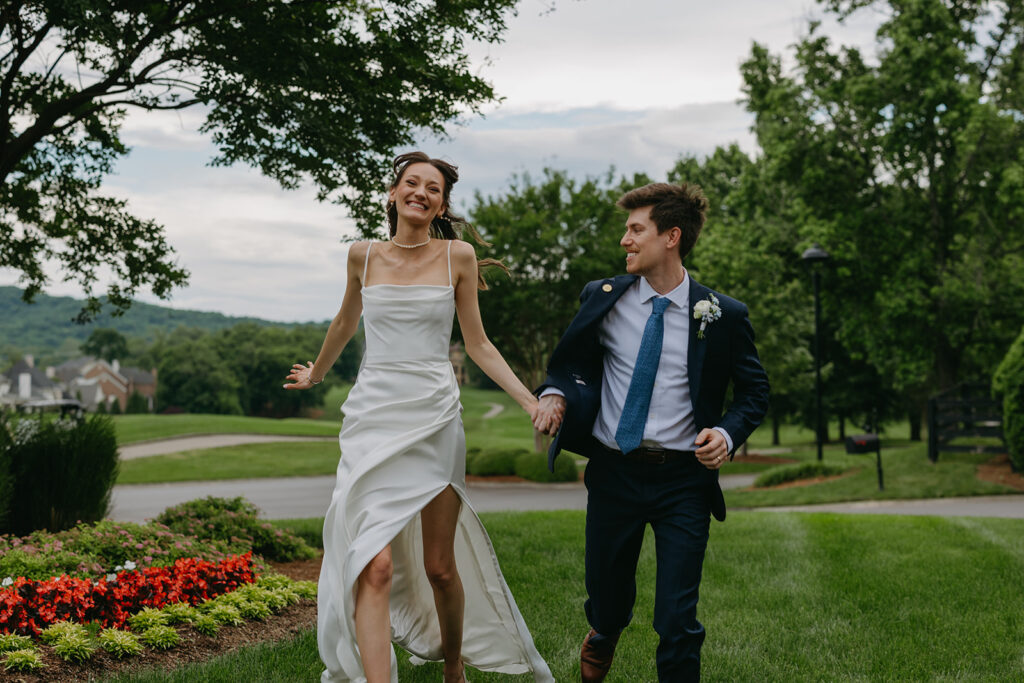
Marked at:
<point>646,250</point>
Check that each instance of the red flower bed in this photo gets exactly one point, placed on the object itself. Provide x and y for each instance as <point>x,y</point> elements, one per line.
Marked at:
<point>27,606</point>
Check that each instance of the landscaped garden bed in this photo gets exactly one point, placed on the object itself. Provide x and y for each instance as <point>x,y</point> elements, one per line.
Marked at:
<point>108,597</point>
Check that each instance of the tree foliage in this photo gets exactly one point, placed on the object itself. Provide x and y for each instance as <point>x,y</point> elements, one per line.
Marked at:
<point>319,91</point>
<point>909,164</point>
<point>554,235</point>
<point>106,343</point>
<point>240,370</point>
<point>1008,384</point>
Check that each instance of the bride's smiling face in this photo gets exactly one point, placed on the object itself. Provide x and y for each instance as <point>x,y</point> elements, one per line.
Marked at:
<point>419,194</point>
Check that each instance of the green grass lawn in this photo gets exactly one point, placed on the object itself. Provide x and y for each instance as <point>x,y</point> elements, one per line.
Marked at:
<point>908,472</point>
<point>785,597</point>
<point>135,428</point>
<point>248,461</point>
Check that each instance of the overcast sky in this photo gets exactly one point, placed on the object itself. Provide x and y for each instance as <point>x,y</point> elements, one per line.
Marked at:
<point>592,84</point>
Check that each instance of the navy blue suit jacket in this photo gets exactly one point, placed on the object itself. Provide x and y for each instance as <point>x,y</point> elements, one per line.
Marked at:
<point>725,354</point>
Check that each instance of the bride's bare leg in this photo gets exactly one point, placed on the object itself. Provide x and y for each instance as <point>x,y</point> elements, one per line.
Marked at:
<point>440,517</point>
<point>373,619</point>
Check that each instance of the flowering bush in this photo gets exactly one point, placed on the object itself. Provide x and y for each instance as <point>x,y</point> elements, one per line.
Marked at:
<point>92,550</point>
<point>235,520</point>
<point>28,606</point>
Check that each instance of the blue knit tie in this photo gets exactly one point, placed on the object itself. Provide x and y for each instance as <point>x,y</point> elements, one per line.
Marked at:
<point>638,399</point>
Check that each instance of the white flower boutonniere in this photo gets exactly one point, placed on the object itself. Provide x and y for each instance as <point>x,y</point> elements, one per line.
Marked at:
<point>706,311</point>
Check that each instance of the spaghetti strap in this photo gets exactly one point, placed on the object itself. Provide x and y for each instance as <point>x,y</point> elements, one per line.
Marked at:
<point>366,262</point>
<point>449,263</point>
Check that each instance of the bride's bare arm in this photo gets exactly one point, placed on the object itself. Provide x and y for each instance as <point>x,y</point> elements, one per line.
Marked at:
<point>478,346</point>
<point>342,328</point>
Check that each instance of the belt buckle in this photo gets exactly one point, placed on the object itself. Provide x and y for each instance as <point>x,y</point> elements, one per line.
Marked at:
<point>657,455</point>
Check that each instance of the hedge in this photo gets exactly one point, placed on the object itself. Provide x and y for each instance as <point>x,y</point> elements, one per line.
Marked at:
<point>1008,384</point>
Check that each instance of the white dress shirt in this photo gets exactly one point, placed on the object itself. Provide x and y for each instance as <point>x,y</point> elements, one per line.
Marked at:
<point>670,421</point>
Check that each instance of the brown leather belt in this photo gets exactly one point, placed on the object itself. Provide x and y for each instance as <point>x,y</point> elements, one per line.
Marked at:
<point>649,455</point>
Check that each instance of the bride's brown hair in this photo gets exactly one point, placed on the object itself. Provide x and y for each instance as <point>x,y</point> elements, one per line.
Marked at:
<point>447,226</point>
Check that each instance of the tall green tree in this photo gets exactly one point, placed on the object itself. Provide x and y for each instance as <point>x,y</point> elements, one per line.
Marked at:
<point>910,164</point>
<point>106,343</point>
<point>750,248</point>
<point>303,90</point>
<point>554,235</point>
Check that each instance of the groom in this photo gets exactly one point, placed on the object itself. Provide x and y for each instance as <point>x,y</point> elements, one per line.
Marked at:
<point>638,384</point>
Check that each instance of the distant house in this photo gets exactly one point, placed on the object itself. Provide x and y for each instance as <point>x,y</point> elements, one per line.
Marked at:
<point>24,383</point>
<point>90,381</point>
<point>94,381</point>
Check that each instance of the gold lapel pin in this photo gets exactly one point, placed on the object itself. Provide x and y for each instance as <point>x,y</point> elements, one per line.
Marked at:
<point>606,287</point>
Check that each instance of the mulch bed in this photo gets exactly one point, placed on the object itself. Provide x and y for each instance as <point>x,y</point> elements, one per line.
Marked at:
<point>194,646</point>
<point>999,471</point>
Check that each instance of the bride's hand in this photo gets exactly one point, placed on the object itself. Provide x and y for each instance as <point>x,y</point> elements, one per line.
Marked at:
<point>531,408</point>
<point>300,376</point>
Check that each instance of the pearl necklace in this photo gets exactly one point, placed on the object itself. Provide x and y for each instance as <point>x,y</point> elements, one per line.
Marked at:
<point>408,246</point>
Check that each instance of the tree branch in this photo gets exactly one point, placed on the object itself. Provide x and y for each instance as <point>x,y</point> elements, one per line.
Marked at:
<point>46,119</point>
<point>21,56</point>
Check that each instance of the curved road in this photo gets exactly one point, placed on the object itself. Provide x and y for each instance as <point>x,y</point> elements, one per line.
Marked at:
<point>309,496</point>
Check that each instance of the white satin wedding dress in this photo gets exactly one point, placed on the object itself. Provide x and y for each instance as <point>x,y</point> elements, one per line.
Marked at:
<point>402,443</point>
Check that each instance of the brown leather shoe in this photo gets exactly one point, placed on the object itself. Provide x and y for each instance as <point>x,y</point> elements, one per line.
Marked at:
<point>595,661</point>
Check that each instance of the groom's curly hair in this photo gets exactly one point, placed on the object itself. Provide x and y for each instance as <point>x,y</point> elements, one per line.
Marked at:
<point>681,206</point>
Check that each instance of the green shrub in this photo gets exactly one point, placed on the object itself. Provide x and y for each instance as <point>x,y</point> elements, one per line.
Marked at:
<point>62,629</point>
<point>496,462</point>
<point>179,613</point>
<point>23,661</point>
<point>6,476</point>
<point>63,471</point>
<point>206,624</point>
<point>235,520</point>
<point>137,404</point>
<point>74,647</point>
<point>119,643</point>
<point>534,466</point>
<point>1008,384</point>
<point>805,470</point>
<point>160,637</point>
<point>310,530</point>
<point>254,610</point>
<point>147,619</point>
<point>12,641</point>
<point>471,454</point>
<point>226,614</point>
<point>305,589</point>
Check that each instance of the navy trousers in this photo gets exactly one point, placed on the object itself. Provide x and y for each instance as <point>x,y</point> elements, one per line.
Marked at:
<point>623,497</point>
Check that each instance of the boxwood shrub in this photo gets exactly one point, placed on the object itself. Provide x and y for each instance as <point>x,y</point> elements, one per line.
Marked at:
<point>235,519</point>
<point>534,466</point>
<point>490,463</point>
<point>806,470</point>
<point>1008,384</point>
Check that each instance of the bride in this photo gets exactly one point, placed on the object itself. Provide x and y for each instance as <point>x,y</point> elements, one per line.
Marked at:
<point>406,559</point>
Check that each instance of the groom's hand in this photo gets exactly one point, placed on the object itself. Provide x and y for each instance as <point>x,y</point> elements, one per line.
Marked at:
<point>713,449</point>
<point>550,411</point>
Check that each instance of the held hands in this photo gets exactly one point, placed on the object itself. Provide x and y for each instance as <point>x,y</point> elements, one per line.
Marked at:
<point>300,375</point>
<point>550,411</point>
<point>713,451</point>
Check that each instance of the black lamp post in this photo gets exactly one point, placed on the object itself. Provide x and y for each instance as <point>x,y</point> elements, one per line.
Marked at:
<point>814,257</point>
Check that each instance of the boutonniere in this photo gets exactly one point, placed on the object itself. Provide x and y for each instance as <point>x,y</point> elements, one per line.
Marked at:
<point>706,311</point>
